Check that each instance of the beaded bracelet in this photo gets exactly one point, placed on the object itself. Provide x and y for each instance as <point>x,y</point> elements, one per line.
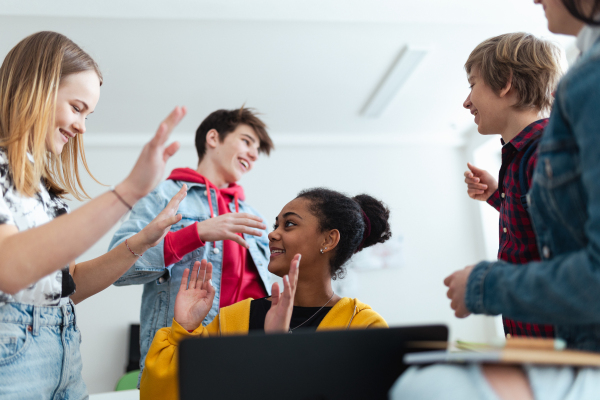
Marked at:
<point>132,252</point>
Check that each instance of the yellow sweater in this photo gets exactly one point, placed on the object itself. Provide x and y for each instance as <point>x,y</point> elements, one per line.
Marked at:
<point>159,379</point>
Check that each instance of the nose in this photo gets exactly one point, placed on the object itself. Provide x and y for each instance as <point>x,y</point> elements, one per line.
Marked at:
<point>273,236</point>
<point>467,104</point>
<point>253,154</point>
<point>79,126</point>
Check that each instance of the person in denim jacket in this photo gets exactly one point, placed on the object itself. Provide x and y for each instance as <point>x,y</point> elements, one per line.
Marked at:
<point>216,225</point>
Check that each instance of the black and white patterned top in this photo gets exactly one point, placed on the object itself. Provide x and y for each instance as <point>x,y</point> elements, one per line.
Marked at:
<point>26,213</point>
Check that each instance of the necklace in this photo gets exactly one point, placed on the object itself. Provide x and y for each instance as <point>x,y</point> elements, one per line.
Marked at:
<point>311,317</point>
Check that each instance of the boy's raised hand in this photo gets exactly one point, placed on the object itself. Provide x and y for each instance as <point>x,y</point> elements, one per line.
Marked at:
<point>279,316</point>
<point>194,301</point>
<point>480,183</point>
<point>227,227</point>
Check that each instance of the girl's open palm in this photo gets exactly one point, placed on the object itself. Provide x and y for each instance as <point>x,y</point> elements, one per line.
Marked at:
<point>194,301</point>
<point>279,316</point>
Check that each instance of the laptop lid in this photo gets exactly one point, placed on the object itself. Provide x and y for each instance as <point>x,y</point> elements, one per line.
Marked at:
<point>355,364</point>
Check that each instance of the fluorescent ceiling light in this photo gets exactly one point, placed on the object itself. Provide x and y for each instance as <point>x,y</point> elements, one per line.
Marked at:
<point>404,65</point>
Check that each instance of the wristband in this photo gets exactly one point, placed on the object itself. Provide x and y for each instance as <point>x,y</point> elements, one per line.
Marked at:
<point>120,198</point>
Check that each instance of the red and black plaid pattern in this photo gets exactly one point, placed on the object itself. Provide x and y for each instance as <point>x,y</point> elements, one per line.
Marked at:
<point>517,238</point>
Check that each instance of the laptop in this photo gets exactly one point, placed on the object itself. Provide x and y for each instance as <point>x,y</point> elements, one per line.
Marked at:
<point>355,364</point>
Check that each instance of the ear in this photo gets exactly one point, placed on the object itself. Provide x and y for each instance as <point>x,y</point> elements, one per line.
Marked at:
<point>332,238</point>
<point>212,138</point>
<point>506,89</point>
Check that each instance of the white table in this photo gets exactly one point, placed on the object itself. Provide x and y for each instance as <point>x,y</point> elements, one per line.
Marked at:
<point>122,395</point>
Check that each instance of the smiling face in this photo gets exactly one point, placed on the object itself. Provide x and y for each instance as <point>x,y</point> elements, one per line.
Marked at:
<point>559,19</point>
<point>77,97</point>
<point>488,107</point>
<point>237,153</point>
<point>296,230</point>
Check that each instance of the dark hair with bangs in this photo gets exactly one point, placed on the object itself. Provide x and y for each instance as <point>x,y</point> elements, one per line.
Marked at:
<point>226,121</point>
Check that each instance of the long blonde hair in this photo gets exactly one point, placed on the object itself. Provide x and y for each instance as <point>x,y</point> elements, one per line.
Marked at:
<point>29,79</point>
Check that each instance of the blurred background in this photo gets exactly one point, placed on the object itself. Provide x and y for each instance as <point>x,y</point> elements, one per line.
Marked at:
<point>359,96</point>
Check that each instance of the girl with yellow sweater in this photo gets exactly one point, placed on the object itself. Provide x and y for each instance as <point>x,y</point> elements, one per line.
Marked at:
<point>324,228</point>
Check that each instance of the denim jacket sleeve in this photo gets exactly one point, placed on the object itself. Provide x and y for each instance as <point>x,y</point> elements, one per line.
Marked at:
<point>562,289</point>
<point>151,265</point>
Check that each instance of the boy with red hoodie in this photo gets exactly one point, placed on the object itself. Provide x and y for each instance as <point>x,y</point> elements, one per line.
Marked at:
<point>216,224</point>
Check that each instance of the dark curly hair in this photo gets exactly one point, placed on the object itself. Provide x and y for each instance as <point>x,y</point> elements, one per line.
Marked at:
<point>335,210</point>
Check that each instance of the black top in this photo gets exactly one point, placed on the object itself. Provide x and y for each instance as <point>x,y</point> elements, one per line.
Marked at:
<point>260,307</point>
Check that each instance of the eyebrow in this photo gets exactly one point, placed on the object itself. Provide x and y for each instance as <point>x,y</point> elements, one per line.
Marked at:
<point>85,106</point>
<point>287,214</point>
<point>249,137</point>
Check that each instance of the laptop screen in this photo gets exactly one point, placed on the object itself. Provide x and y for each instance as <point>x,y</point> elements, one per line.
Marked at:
<point>355,364</point>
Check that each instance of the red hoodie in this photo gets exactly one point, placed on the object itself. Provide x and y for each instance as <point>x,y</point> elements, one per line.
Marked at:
<point>239,278</point>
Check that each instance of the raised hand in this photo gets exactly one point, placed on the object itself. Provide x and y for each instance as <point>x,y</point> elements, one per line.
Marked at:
<point>279,316</point>
<point>193,302</point>
<point>227,227</point>
<point>480,183</point>
<point>150,165</point>
<point>158,228</point>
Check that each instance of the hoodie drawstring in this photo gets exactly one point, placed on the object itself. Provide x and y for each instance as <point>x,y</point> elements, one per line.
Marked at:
<point>241,249</point>
<point>212,213</point>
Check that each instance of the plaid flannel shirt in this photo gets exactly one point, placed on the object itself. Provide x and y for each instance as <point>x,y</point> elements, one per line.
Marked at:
<point>517,238</point>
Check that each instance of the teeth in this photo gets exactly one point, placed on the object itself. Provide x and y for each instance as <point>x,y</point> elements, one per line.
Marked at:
<point>476,112</point>
<point>244,163</point>
<point>277,251</point>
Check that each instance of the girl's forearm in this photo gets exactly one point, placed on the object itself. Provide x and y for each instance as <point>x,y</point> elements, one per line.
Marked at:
<point>95,275</point>
<point>32,254</point>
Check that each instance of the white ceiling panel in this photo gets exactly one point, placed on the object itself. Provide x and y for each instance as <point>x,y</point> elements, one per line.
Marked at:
<point>308,67</point>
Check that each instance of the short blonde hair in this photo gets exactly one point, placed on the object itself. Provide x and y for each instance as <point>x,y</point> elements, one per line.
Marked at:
<point>29,79</point>
<point>531,64</point>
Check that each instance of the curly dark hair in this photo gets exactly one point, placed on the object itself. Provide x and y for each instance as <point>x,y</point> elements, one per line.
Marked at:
<point>335,210</point>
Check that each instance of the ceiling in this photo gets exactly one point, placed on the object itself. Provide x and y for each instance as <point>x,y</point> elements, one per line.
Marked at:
<point>309,66</point>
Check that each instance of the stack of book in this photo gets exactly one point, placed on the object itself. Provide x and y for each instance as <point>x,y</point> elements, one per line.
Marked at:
<point>513,351</point>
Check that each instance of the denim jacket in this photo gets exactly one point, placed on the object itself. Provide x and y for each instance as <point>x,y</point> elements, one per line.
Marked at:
<point>564,288</point>
<point>161,282</point>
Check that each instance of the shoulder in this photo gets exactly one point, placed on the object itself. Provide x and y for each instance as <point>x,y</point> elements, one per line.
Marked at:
<point>251,210</point>
<point>584,75</point>
<point>360,315</point>
<point>367,316</point>
<point>167,188</point>
<point>160,196</point>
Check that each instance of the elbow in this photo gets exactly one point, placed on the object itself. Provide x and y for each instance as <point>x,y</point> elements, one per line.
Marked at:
<point>13,280</point>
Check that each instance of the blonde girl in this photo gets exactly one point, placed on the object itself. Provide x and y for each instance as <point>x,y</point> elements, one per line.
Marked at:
<point>48,87</point>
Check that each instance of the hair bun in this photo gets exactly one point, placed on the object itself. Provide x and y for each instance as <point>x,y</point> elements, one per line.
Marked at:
<point>378,215</point>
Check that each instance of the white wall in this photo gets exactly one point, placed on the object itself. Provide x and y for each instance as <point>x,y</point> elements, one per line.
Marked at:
<point>421,183</point>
